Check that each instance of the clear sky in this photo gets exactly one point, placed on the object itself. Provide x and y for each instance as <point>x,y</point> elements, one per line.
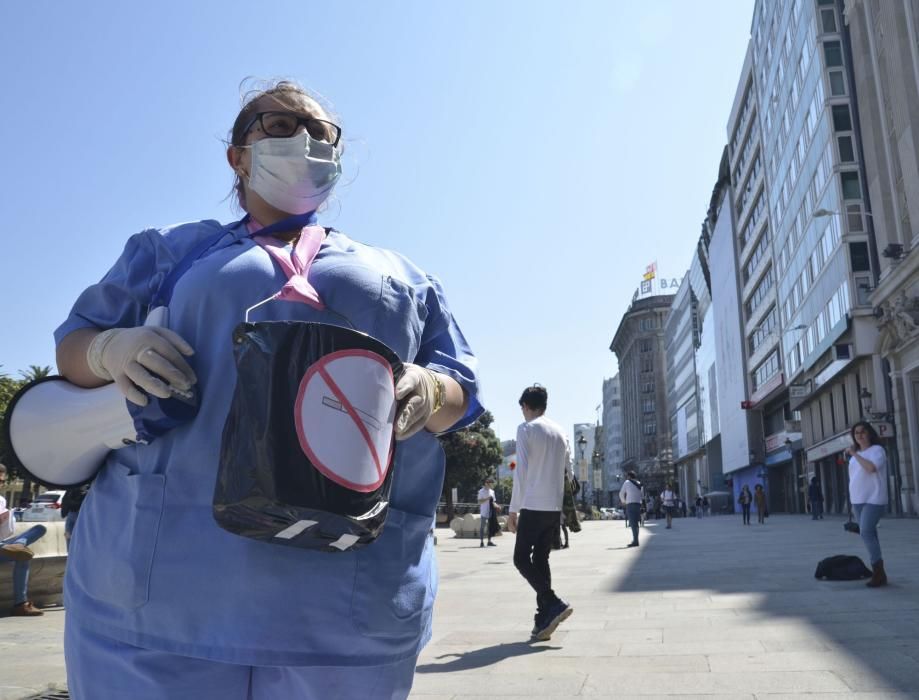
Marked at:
<point>535,156</point>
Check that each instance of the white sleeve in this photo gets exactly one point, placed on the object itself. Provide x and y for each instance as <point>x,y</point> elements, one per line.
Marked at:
<point>7,529</point>
<point>519,489</point>
<point>878,457</point>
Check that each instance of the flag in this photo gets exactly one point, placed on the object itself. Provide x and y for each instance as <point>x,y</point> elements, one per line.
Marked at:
<point>650,271</point>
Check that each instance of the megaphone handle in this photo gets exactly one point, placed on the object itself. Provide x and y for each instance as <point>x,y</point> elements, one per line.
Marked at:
<point>158,316</point>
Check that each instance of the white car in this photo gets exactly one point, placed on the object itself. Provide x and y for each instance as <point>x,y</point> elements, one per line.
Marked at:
<point>45,507</point>
<point>611,514</point>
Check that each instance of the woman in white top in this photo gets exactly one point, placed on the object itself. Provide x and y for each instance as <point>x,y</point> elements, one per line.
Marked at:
<point>668,498</point>
<point>868,492</point>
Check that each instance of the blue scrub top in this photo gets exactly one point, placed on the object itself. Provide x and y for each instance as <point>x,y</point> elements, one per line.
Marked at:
<point>150,567</point>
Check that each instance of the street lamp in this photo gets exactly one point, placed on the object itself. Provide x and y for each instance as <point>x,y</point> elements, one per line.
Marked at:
<point>582,444</point>
<point>864,398</point>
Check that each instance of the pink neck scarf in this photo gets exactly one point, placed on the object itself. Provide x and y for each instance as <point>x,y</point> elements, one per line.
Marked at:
<point>295,264</point>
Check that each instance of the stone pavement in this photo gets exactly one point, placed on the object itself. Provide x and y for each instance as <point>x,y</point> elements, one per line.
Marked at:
<point>707,609</point>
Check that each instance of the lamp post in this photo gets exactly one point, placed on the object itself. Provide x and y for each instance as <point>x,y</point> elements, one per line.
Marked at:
<point>582,444</point>
<point>864,398</point>
<point>597,475</point>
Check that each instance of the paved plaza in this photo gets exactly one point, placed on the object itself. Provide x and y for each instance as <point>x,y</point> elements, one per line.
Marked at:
<point>707,609</point>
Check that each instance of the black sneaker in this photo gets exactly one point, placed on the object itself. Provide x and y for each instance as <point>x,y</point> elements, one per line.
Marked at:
<point>537,622</point>
<point>632,544</point>
<point>492,544</point>
<point>554,616</point>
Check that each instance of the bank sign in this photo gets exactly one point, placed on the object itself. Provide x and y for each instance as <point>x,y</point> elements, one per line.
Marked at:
<point>653,284</point>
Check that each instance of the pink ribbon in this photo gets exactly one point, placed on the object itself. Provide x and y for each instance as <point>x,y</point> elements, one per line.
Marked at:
<point>297,265</point>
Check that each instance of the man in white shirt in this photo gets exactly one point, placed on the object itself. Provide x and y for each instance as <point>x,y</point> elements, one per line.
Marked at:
<point>16,549</point>
<point>486,500</point>
<point>543,456</point>
<point>630,494</point>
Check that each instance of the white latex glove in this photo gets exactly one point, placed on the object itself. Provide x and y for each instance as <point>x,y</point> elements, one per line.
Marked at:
<point>416,392</point>
<point>146,357</point>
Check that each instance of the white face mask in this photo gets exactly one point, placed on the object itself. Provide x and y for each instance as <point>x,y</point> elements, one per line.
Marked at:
<point>295,174</point>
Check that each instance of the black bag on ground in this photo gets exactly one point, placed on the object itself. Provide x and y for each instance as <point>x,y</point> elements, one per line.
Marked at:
<point>308,445</point>
<point>842,567</point>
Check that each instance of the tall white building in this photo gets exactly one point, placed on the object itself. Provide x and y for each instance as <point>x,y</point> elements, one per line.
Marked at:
<point>612,440</point>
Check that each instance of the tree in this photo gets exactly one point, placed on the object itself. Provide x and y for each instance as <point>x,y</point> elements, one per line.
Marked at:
<point>35,372</point>
<point>472,454</point>
<point>8,389</point>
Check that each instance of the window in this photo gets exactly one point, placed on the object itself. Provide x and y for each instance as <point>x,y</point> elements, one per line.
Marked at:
<point>647,324</point>
<point>649,428</point>
<point>832,52</point>
<point>837,83</point>
<point>828,18</point>
<point>647,363</point>
<point>647,388</point>
<point>862,289</point>
<point>846,151</point>
<point>842,119</point>
<point>644,345</point>
<point>764,330</point>
<point>759,294</point>
<point>858,253</point>
<point>762,248</point>
<point>766,370</point>
<point>647,406</point>
<point>854,217</point>
<point>850,186</point>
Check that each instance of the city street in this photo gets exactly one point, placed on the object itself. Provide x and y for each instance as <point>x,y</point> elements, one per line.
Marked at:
<point>709,608</point>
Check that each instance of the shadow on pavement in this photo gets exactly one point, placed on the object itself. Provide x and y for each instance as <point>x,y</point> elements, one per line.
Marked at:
<point>482,657</point>
<point>767,572</point>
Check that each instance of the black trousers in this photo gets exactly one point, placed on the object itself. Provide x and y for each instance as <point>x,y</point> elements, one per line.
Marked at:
<point>535,530</point>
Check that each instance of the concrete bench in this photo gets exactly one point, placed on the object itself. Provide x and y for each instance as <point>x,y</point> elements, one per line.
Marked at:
<point>468,525</point>
<point>46,574</point>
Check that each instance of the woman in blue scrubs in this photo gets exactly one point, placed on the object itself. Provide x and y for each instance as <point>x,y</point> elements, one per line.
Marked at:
<point>162,602</point>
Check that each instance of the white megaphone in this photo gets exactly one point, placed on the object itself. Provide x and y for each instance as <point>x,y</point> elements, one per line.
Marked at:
<point>60,433</point>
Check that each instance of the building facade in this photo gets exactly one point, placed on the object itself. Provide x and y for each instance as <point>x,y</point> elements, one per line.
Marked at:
<point>804,256</point>
<point>687,455</point>
<point>885,51</point>
<point>705,361</point>
<point>583,448</point>
<point>612,440</point>
<point>639,346</point>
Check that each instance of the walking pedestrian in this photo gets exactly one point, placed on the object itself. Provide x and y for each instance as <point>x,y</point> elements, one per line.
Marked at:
<point>745,499</point>
<point>815,496</point>
<point>668,498</point>
<point>543,456</point>
<point>868,492</point>
<point>486,498</point>
<point>630,494</point>
<point>759,499</point>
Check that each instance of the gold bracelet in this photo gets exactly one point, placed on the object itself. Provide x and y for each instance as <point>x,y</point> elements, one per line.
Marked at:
<point>440,393</point>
